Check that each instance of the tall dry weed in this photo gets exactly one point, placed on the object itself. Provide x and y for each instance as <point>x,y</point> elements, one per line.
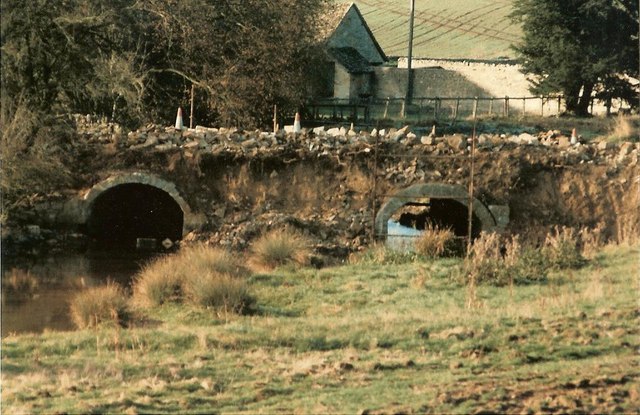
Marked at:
<point>627,229</point>
<point>502,261</point>
<point>561,248</point>
<point>591,240</point>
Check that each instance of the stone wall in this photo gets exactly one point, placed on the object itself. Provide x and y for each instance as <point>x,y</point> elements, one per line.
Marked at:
<point>428,82</point>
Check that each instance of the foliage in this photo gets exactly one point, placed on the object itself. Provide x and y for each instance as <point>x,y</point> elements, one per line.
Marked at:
<point>135,60</point>
<point>435,242</point>
<point>94,306</point>
<point>579,47</point>
<point>280,247</point>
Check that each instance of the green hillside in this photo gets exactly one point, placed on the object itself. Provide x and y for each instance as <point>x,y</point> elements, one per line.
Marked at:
<point>474,29</point>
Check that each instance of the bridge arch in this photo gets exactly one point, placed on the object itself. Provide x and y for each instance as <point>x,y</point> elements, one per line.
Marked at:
<point>449,198</point>
<point>128,206</point>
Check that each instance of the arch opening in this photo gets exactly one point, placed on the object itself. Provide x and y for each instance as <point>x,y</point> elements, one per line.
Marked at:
<point>405,215</point>
<point>440,213</point>
<point>122,214</point>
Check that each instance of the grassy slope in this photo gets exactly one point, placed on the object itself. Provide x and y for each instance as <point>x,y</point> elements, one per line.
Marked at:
<point>477,29</point>
<point>351,338</point>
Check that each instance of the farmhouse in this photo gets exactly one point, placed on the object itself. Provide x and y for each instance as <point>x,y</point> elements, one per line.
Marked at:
<point>352,53</point>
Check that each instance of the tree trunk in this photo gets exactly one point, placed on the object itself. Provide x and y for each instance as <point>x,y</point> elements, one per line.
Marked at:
<point>572,98</point>
<point>585,100</point>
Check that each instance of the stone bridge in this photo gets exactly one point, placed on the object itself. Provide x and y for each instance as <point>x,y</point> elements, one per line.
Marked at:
<point>339,187</point>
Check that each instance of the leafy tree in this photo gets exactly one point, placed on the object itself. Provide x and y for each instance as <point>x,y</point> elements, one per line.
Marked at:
<point>578,47</point>
<point>139,58</point>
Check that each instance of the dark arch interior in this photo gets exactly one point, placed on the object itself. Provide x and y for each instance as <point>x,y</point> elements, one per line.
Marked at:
<point>443,213</point>
<point>124,213</point>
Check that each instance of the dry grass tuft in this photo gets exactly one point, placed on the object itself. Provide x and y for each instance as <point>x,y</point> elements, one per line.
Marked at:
<point>222,292</point>
<point>281,247</point>
<point>107,304</point>
<point>158,283</point>
<point>199,275</point>
<point>434,242</point>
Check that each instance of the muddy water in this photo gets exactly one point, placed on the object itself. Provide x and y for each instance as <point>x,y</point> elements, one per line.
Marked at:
<point>36,293</point>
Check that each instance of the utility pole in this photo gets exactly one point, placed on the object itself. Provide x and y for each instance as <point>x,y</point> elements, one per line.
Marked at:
<point>412,6</point>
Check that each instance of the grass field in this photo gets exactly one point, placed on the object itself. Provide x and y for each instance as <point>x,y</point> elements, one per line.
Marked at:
<point>476,29</point>
<point>360,338</point>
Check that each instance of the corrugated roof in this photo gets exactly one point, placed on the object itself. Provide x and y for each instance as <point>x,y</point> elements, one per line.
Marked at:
<point>351,59</point>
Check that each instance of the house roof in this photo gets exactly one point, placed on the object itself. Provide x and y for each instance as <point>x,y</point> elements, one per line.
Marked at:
<point>334,16</point>
<point>351,59</point>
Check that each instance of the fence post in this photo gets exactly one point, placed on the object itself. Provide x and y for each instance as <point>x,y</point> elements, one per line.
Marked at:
<point>436,104</point>
<point>524,104</point>
<point>471,179</point>
<point>505,110</point>
<point>386,109</point>
<point>403,109</point>
<point>455,114</point>
<point>491,106</point>
<point>475,108</point>
<point>542,106</point>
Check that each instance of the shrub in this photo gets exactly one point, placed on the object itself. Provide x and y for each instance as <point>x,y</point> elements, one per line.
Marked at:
<point>561,249</point>
<point>281,247</point>
<point>435,242</point>
<point>33,156</point>
<point>99,305</point>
